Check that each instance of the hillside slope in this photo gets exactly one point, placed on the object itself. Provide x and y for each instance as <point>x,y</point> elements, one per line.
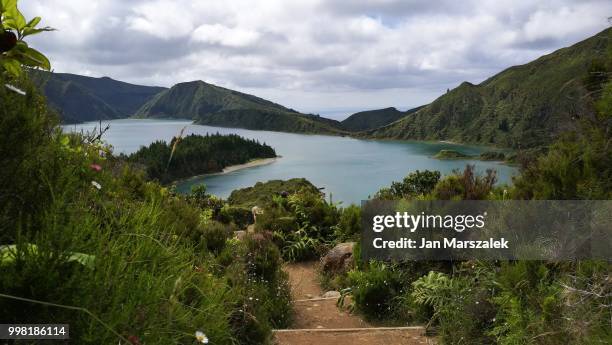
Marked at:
<point>209,104</point>
<point>372,119</point>
<point>79,98</point>
<point>523,106</point>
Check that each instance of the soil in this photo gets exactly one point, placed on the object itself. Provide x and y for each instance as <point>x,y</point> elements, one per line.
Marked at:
<point>320,321</point>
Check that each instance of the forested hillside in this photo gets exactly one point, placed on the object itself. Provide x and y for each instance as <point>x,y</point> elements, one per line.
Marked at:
<point>209,104</point>
<point>79,98</point>
<point>524,106</point>
<point>372,119</point>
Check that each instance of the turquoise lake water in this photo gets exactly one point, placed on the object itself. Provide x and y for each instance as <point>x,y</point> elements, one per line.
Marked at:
<point>350,169</point>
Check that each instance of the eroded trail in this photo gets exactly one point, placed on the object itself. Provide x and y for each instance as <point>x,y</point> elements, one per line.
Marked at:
<point>319,321</point>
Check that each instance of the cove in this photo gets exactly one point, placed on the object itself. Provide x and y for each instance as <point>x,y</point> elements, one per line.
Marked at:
<point>350,169</point>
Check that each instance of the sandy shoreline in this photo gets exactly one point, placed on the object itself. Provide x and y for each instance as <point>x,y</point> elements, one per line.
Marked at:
<point>251,164</point>
<point>232,168</point>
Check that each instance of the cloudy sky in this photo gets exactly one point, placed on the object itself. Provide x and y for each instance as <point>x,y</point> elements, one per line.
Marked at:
<point>324,56</point>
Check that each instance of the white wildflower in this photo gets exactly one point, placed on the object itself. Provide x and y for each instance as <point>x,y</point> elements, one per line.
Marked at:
<point>96,184</point>
<point>201,337</point>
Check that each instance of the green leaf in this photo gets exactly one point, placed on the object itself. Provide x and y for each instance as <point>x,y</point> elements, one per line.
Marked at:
<point>11,65</point>
<point>84,259</point>
<point>32,23</point>
<point>65,141</point>
<point>8,254</point>
<point>34,58</point>
<point>4,4</point>
<point>33,31</point>
<point>18,18</point>
<point>9,23</point>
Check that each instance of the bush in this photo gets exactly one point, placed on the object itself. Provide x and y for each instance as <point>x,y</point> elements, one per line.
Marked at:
<point>415,184</point>
<point>240,216</point>
<point>449,188</point>
<point>349,225</point>
<point>215,234</point>
<point>253,269</point>
<point>461,307</point>
<point>264,259</point>
<point>466,185</point>
<point>375,289</point>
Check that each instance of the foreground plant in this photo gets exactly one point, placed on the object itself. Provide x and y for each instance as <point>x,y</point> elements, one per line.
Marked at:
<point>14,50</point>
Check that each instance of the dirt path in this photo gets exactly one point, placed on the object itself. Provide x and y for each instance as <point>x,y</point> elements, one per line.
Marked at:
<point>319,321</point>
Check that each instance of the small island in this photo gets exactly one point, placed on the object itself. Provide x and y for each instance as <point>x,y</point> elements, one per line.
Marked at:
<point>199,154</point>
<point>485,156</point>
<point>451,154</point>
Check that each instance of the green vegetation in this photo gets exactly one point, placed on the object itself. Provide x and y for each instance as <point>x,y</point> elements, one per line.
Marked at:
<point>415,184</point>
<point>492,156</point>
<point>522,107</point>
<point>212,105</point>
<point>372,119</point>
<point>196,155</point>
<point>263,194</point>
<point>302,223</point>
<point>485,156</point>
<point>498,302</point>
<point>86,240</point>
<point>79,98</point>
<point>142,265</point>
<point>15,53</point>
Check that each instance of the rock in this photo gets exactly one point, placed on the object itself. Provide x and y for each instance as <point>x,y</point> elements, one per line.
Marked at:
<point>331,294</point>
<point>339,259</point>
<point>309,296</point>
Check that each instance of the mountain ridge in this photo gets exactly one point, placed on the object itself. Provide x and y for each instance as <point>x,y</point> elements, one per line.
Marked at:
<point>522,106</point>
<point>209,104</point>
<point>376,118</point>
<point>81,98</point>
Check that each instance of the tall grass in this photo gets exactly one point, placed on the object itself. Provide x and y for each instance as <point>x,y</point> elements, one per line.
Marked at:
<point>119,259</point>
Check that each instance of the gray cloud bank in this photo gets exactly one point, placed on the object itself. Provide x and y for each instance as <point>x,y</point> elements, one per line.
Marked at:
<point>311,55</point>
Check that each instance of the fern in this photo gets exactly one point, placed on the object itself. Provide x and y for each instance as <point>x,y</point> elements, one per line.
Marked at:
<point>433,289</point>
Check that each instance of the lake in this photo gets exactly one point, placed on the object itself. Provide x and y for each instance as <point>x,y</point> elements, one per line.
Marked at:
<point>350,169</point>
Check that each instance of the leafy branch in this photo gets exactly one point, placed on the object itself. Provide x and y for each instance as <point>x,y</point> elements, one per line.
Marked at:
<point>14,51</point>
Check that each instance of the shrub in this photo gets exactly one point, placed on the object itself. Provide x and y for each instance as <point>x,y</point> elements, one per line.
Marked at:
<point>415,184</point>
<point>461,307</point>
<point>375,289</point>
<point>264,259</point>
<point>240,216</point>
<point>466,185</point>
<point>349,225</point>
<point>215,234</point>
<point>449,188</point>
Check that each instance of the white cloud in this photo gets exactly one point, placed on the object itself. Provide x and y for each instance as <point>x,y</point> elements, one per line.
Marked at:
<point>220,34</point>
<point>312,53</point>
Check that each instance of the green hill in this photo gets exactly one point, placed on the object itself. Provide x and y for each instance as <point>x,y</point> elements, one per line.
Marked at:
<point>372,119</point>
<point>209,104</point>
<point>79,98</point>
<point>523,106</point>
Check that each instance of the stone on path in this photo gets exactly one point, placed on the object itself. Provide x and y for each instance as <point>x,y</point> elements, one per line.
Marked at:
<point>331,294</point>
<point>339,259</point>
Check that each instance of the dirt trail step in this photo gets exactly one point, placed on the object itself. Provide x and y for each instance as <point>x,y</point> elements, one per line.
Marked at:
<point>373,336</point>
<point>320,314</point>
<point>319,320</point>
